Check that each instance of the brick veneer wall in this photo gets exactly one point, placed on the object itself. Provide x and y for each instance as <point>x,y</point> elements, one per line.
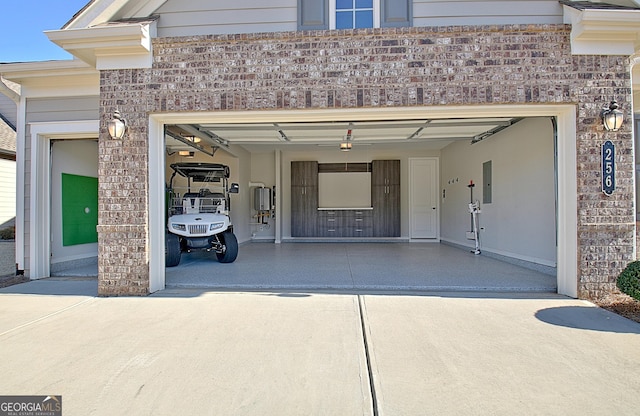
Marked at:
<point>442,66</point>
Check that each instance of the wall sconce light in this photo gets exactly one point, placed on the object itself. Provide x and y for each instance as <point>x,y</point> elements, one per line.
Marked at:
<point>345,146</point>
<point>117,126</point>
<point>612,117</point>
<point>186,153</point>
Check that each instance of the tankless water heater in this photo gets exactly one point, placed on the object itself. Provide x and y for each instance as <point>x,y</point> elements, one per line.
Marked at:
<point>262,199</point>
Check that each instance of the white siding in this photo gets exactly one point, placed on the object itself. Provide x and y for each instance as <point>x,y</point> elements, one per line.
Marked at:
<point>7,190</point>
<point>212,17</point>
<point>205,17</point>
<point>477,12</point>
<point>62,109</point>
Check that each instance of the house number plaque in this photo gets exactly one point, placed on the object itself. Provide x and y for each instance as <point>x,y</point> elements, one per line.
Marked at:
<point>608,167</point>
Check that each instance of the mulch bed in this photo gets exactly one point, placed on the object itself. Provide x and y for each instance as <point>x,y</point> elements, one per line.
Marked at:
<point>6,281</point>
<point>621,304</point>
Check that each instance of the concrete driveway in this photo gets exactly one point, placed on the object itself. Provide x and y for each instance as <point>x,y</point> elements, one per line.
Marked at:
<point>195,352</point>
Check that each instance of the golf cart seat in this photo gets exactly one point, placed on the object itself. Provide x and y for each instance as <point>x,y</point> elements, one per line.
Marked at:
<point>209,201</point>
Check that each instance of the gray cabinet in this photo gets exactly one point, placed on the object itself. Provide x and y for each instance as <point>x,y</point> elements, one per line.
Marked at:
<point>329,223</point>
<point>385,197</point>
<point>345,223</point>
<point>304,198</point>
<point>381,221</point>
<point>358,223</point>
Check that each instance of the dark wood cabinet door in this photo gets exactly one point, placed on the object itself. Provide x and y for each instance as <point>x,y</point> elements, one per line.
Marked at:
<point>304,173</point>
<point>385,172</point>
<point>385,198</point>
<point>304,198</point>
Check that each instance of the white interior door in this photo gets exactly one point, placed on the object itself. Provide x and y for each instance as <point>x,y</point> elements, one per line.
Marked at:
<point>423,197</point>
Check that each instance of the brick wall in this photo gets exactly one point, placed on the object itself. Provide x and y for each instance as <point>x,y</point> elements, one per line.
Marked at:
<point>443,66</point>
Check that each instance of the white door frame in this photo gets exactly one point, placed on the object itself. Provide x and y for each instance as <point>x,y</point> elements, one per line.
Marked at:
<point>40,187</point>
<point>567,251</point>
<point>411,196</point>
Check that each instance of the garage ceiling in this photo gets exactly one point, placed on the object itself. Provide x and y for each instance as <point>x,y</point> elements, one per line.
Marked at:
<point>434,134</point>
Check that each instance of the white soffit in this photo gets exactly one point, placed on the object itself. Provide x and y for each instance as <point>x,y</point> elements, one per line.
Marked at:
<point>603,32</point>
<point>53,78</point>
<point>109,46</point>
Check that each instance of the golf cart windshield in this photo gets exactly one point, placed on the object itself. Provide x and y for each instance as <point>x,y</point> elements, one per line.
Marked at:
<point>201,172</point>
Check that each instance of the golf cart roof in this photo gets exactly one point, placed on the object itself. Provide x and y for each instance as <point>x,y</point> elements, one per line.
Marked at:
<point>201,172</point>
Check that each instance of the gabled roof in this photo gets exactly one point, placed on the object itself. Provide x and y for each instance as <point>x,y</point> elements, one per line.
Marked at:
<point>98,12</point>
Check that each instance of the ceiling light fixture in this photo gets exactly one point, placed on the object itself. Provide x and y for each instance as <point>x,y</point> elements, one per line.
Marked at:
<point>186,153</point>
<point>345,146</point>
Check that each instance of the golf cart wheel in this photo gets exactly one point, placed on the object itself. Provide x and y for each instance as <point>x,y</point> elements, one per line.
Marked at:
<point>230,247</point>
<point>172,250</point>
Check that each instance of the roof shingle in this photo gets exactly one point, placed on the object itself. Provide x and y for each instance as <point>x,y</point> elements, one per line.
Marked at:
<point>7,136</point>
<point>590,5</point>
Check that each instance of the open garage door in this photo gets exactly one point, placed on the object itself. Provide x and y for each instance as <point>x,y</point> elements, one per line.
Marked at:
<point>510,160</point>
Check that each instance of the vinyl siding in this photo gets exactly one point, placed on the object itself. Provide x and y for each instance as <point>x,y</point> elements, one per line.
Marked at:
<point>63,109</point>
<point>213,17</point>
<point>7,190</point>
<point>475,12</point>
<point>204,17</point>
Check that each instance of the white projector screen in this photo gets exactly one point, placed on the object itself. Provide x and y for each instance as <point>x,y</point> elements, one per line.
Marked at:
<point>344,190</point>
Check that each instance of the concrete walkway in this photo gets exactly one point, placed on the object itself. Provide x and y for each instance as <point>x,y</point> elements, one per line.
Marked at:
<point>194,352</point>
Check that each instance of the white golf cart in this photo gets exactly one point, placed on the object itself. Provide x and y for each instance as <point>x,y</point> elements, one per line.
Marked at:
<point>198,214</point>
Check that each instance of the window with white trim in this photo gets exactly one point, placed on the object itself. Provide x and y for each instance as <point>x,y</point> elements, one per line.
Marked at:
<point>351,14</point>
<point>354,14</point>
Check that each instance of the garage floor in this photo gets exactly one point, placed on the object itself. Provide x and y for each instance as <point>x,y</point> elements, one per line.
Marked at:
<point>361,266</point>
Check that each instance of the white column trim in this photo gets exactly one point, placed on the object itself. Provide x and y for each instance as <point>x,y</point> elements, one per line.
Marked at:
<point>278,201</point>
<point>567,250</point>
<point>157,226</point>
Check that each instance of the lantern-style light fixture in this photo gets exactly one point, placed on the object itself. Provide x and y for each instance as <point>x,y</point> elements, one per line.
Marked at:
<point>117,126</point>
<point>612,117</point>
